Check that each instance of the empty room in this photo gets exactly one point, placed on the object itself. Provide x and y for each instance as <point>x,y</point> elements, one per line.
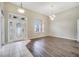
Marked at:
<point>39,29</point>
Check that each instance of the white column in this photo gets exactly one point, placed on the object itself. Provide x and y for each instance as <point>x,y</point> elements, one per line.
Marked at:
<point>78,30</point>
<point>0,32</point>
<point>1,25</point>
<point>0,29</point>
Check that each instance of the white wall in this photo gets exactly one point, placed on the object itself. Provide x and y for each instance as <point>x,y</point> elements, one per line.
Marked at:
<point>31,15</point>
<point>65,24</point>
<point>2,25</point>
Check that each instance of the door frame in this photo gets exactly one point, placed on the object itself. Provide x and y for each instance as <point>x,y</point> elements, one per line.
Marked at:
<point>15,33</point>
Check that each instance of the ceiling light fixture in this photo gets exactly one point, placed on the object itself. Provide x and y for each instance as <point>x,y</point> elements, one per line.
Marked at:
<point>21,10</point>
<point>52,15</point>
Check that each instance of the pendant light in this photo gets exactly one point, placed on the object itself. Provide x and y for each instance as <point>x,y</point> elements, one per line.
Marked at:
<point>21,10</point>
<point>52,15</point>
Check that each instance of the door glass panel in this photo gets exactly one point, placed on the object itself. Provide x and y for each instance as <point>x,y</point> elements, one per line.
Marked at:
<point>11,30</point>
<point>19,29</point>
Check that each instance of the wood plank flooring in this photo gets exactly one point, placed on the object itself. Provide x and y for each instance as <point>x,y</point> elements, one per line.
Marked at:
<point>15,49</point>
<point>53,47</point>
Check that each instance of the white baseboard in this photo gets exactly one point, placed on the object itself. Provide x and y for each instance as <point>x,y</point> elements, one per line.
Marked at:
<point>63,37</point>
<point>37,37</point>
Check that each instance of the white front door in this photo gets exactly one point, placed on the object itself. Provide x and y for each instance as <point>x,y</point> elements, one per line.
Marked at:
<point>20,29</point>
<point>16,28</point>
<point>11,31</point>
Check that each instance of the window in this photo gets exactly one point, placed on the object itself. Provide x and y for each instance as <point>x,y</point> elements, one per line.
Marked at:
<point>38,26</point>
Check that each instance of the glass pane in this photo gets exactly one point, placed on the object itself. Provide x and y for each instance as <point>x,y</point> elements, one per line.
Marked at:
<point>11,30</point>
<point>37,25</point>
<point>19,29</point>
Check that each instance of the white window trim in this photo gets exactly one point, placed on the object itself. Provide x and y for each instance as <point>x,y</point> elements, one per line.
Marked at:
<point>42,28</point>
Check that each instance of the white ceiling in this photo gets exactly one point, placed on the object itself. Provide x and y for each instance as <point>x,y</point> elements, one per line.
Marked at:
<point>45,7</point>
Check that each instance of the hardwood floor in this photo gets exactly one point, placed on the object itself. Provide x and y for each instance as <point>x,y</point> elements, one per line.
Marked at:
<point>53,47</point>
<point>15,49</point>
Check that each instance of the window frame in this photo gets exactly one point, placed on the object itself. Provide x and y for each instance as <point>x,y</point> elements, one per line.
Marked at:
<point>42,26</point>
